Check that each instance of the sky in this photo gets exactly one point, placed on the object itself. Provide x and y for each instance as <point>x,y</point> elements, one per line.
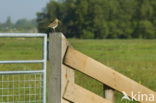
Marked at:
<point>18,9</point>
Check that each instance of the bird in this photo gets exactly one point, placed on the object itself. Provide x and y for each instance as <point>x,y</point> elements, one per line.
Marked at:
<point>54,24</point>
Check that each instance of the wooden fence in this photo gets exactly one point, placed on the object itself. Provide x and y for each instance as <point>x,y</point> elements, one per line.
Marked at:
<point>62,89</point>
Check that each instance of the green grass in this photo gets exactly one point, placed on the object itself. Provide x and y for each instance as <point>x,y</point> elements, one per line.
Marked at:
<point>134,58</point>
<point>20,49</point>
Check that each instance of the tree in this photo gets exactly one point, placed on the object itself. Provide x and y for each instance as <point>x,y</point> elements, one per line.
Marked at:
<point>146,29</point>
<point>101,18</point>
<point>8,24</point>
<point>24,24</point>
<point>1,26</point>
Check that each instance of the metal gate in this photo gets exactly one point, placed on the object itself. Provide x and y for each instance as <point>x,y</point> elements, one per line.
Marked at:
<point>24,86</point>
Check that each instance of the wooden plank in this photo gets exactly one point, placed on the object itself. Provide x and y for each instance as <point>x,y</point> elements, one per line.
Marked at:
<point>54,90</point>
<point>59,74</point>
<point>104,74</point>
<point>109,93</point>
<point>77,94</point>
<point>67,73</point>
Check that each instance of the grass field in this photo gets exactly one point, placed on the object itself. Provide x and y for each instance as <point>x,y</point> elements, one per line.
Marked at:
<point>133,58</point>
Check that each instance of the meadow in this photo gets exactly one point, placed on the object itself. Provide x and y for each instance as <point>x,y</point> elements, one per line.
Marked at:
<point>134,58</point>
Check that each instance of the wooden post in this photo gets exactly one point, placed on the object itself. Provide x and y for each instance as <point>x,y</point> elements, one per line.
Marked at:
<point>59,74</point>
<point>109,93</point>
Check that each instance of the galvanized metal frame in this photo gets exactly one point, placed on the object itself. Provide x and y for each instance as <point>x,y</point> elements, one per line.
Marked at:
<point>43,61</point>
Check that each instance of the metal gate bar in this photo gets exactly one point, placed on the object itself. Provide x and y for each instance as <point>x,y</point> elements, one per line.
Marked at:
<point>36,72</point>
<point>21,61</point>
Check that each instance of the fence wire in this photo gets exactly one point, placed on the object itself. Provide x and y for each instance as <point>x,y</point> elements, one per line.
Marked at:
<point>21,88</point>
<point>27,86</point>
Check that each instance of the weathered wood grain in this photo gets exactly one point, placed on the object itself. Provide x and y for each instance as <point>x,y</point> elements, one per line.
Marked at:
<point>59,74</point>
<point>104,74</point>
<point>77,94</point>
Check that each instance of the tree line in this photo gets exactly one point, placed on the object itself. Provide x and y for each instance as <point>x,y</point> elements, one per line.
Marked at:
<point>100,19</point>
<point>21,25</point>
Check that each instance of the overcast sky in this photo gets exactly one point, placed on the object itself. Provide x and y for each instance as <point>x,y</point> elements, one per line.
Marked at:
<point>20,8</point>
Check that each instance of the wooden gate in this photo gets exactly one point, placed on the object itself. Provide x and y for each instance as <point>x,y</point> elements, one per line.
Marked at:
<point>62,89</point>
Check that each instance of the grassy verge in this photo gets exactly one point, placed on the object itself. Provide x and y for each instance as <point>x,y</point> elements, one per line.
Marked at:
<point>133,58</point>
